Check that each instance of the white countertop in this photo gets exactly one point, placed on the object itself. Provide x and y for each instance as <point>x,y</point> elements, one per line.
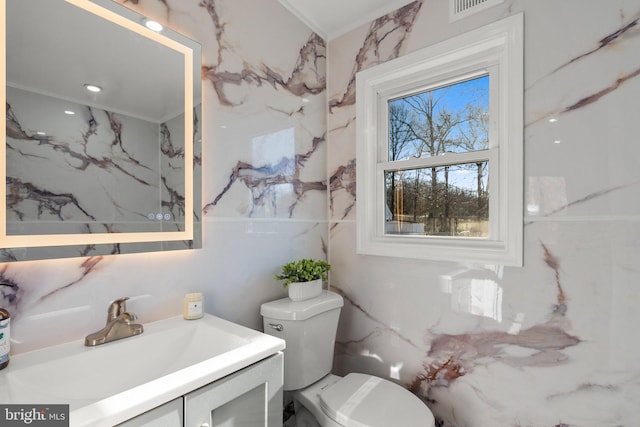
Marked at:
<point>113,382</point>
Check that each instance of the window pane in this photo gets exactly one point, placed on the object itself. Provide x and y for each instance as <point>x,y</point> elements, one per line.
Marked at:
<point>450,119</point>
<point>443,201</point>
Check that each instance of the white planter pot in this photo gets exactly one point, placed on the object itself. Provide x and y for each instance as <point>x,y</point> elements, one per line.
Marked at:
<point>300,291</point>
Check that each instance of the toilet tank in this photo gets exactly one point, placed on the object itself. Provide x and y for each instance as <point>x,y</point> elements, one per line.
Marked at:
<point>309,329</point>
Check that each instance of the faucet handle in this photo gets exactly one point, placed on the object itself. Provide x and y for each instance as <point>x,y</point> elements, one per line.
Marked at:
<point>116,308</point>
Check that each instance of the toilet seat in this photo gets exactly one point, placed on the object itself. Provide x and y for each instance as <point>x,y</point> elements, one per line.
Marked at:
<point>359,400</point>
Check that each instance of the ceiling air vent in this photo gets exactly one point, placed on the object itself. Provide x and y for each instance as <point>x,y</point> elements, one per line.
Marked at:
<point>459,9</point>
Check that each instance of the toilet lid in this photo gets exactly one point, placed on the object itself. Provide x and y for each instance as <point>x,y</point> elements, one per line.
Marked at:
<point>359,400</point>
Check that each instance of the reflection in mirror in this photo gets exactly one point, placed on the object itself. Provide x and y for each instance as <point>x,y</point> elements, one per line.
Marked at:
<point>102,132</point>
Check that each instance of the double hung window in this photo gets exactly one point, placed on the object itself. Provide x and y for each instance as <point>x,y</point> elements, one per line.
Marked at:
<point>439,150</point>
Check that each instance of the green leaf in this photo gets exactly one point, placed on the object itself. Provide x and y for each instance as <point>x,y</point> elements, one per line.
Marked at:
<point>303,270</point>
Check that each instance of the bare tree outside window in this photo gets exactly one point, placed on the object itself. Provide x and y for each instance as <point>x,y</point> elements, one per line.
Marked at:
<point>447,199</point>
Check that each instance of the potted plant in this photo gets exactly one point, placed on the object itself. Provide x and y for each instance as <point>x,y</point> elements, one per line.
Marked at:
<point>303,278</point>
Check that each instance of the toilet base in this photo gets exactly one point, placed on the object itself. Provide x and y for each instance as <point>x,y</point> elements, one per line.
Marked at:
<point>304,418</point>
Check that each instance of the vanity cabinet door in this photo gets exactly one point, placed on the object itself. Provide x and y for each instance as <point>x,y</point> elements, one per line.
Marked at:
<point>251,397</point>
<point>168,415</point>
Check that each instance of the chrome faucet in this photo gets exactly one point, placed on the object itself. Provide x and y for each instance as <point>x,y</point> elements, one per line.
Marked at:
<point>119,325</point>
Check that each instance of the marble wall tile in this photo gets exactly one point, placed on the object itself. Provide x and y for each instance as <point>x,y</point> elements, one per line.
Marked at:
<point>487,345</point>
<point>537,346</point>
<point>264,191</point>
<point>61,300</point>
<point>267,82</point>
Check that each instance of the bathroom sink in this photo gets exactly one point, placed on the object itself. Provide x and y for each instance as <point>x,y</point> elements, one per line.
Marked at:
<point>133,375</point>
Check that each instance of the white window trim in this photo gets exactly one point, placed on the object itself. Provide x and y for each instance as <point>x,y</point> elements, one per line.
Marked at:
<point>498,47</point>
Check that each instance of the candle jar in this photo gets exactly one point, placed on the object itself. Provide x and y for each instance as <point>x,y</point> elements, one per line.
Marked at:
<point>193,307</point>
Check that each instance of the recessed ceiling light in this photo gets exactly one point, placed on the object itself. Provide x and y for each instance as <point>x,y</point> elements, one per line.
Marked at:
<point>553,120</point>
<point>557,141</point>
<point>92,88</point>
<point>41,133</point>
<point>69,112</point>
<point>153,25</point>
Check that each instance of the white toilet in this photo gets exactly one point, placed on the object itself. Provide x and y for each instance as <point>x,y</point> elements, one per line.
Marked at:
<point>320,398</point>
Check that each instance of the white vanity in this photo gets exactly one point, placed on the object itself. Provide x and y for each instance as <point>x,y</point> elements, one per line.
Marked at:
<point>195,373</point>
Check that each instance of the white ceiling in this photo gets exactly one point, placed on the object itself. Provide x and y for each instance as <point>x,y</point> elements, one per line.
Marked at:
<point>332,18</point>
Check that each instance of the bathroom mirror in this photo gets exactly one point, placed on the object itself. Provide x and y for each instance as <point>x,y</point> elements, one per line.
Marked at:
<point>101,151</point>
